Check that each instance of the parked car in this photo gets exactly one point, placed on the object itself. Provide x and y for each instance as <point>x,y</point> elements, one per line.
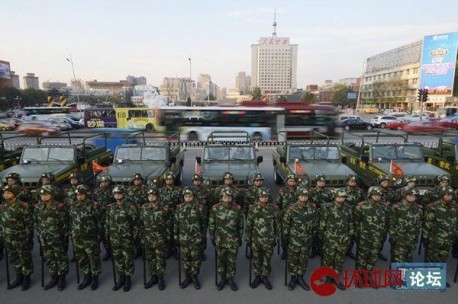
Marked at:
<point>382,120</point>
<point>59,123</point>
<point>397,125</point>
<point>6,125</point>
<point>356,124</point>
<point>423,126</point>
<point>345,117</point>
<point>449,122</point>
<point>37,128</point>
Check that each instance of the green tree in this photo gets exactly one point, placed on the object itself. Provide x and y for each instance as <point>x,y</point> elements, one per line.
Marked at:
<point>8,97</point>
<point>33,97</point>
<point>308,97</point>
<point>340,94</point>
<point>256,93</point>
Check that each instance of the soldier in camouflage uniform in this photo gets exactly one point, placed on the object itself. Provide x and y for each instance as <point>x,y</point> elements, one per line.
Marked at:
<point>369,229</point>
<point>188,233</point>
<point>15,219</point>
<point>409,182</point>
<point>299,227</point>
<point>252,194</point>
<point>48,178</point>
<point>170,196</point>
<point>355,195</point>
<point>137,194</point>
<point>51,222</point>
<point>261,235</point>
<point>122,230</point>
<point>203,196</point>
<point>404,227</point>
<point>388,197</point>
<point>104,197</point>
<point>75,180</point>
<point>155,232</point>
<point>84,231</point>
<point>321,197</point>
<point>286,197</point>
<point>440,227</point>
<point>335,230</point>
<point>226,228</point>
<point>228,181</point>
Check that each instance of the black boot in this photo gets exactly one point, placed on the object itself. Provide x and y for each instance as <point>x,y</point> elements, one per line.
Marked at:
<point>232,284</point>
<point>266,282</point>
<point>302,283</point>
<point>161,283</point>
<point>127,284</point>
<point>186,282</point>
<point>338,284</point>
<point>108,255</point>
<point>221,283</point>
<point>17,282</point>
<point>152,281</point>
<point>86,281</point>
<point>95,282</point>
<point>52,282</point>
<point>26,282</point>
<point>196,282</point>
<point>292,282</point>
<point>120,282</point>
<point>256,281</point>
<point>61,283</point>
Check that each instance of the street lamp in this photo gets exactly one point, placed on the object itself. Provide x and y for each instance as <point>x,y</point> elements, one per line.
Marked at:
<point>74,77</point>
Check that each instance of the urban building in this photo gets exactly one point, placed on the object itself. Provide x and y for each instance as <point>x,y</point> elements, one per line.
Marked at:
<point>136,80</point>
<point>31,81</point>
<point>243,82</point>
<point>274,65</point>
<point>5,74</point>
<point>47,85</point>
<point>178,89</point>
<point>15,80</point>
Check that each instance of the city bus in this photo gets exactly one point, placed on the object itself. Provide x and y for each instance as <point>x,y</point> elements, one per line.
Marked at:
<point>137,119</point>
<point>43,113</point>
<point>100,118</point>
<point>446,111</point>
<point>196,123</point>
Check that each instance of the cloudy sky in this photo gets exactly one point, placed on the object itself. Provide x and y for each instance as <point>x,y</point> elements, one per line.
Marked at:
<point>111,39</point>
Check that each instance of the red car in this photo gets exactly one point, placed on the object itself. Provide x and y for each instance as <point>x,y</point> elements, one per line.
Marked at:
<point>37,128</point>
<point>449,123</point>
<point>423,126</point>
<point>397,125</point>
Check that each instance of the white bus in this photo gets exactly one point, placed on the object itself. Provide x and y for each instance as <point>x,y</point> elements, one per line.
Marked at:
<point>43,113</point>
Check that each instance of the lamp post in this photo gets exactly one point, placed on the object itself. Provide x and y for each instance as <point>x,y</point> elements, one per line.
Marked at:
<point>74,78</point>
<point>190,78</point>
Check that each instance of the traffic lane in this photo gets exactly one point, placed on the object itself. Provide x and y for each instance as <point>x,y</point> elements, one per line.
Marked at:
<point>208,293</point>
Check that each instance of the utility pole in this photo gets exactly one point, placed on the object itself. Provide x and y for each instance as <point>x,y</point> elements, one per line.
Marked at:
<point>74,77</point>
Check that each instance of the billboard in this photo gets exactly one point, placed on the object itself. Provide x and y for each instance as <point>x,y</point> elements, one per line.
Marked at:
<point>5,70</point>
<point>438,63</point>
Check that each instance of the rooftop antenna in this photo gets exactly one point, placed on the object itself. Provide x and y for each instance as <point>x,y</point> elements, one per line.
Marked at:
<point>274,24</point>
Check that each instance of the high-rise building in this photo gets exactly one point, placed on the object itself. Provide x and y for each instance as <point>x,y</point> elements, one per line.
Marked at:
<point>48,85</point>
<point>16,81</point>
<point>274,65</point>
<point>242,82</point>
<point>31,81</point>
<point>136,80</point>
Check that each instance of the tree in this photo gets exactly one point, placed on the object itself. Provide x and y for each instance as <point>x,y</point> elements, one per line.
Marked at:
<point>33,97</point>
<point>339,96</point>
<point>256,93</point>
<point>308,97</point>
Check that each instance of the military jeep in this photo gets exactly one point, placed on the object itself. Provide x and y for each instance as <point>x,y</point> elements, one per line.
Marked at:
<point>9,156</point>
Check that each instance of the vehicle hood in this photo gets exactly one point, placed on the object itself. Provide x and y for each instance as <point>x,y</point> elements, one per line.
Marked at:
<point>124,172</point>
<point>332,170</point>
<point>419,169</point>
<point>239,170</point>
<point>31,173</point>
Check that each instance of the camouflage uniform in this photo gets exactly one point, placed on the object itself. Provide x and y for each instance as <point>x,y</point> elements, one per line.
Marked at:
<point>203,196</point>
<point>155,233</point>
<point>189,231</point>
<point>48,178</point>
<point>104,197</point>
<point>51,222</point>
<point>16,222</point>
<point>226,228</point>
<point>137,193</point>
<point>84,232</point>
<point>335,229</point>
<point>388,198</point>
<point>440,227</point>
<point>286,197</point>
<point>369,228</point>
<point>405,226</point>
<point>252,193</point>
<point>228,180</point>
<point>261,235</point>
<point>355,195</point>
<point>70,191</point>
<point>299,227</point>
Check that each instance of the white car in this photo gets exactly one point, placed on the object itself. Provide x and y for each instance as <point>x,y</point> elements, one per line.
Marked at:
<point>416,117</point>
<point>382,120</point>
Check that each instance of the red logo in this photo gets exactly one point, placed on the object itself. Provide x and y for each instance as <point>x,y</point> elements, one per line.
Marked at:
<point>317,281</point>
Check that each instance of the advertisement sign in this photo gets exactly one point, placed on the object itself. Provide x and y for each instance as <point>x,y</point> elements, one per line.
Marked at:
<point>5,70</point>
<point>438,63</point>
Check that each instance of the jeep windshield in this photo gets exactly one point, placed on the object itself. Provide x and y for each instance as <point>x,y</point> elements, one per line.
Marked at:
<point>396,152</point>
<point>229,153</point>
<point>313,153</point>
<point>48,154</point>
<point>141,153</point>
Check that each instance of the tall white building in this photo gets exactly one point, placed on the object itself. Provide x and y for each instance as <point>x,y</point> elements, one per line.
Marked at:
<point>31,81</point>
<point>274,65</point>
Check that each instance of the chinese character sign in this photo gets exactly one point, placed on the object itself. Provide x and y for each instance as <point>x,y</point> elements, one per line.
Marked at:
<point>422,276</point>
<point>438,63</point>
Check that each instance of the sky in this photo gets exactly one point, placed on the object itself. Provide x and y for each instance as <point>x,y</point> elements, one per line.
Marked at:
<point>111,39</point>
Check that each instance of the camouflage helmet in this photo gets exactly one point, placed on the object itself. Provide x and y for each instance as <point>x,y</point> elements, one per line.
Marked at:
<point>340,193</point>
<point>264,192</point>
<point>15,176</point>
<point>350,177</point>
<point>187,191</point>
<point>168,175</point>
<point>374,190</point>
<point>153,190</point>
<point>446,190</point>
<point>118,189</point>
<point>442,177</point>
<point>48,175</point>
<point>291,176</point>
<point>382,178</point>
<point>47,189</point>
<point>228,192</point>
<point>409,191</point>
<point>81,189</point>
<point>13,189</point>
<point>228,175</point>
<point>137,176</point>
<point>105,178</point>
<point>197,176</point>
<point>258,176</point>
<point>75,175</point>
<point>320,177</point>
<point>410,178</point>
<point>302,191</point>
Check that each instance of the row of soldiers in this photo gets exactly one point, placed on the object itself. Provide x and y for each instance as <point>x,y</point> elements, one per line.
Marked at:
<point>167,220</point>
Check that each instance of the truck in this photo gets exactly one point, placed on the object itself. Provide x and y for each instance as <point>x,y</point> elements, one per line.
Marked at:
<point>445,156</point>
<point>382,153</point>
<point>9,156</point>
<point>150,154</point>
<point>307,158</point>
<point>228,151</point>
<point>62,155</point>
